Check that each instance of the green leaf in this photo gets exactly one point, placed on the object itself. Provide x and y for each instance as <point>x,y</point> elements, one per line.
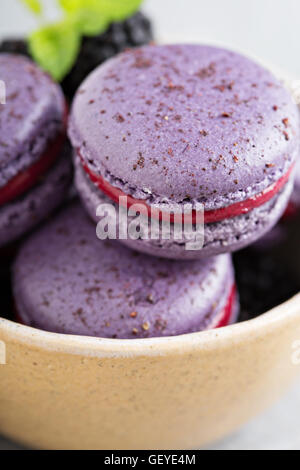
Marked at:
<point>93,16</point>
<point>34,5</point>
<point>55,48</point>
<point>119,10</point>
<point>73,5</point>
<point>88,22</point>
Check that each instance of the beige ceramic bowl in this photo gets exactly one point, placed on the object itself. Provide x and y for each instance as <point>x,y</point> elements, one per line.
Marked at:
<point>67,392</point>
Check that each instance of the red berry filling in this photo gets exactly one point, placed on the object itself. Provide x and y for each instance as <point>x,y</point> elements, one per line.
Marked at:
<point>29,177</point>
<point>228,310</point>
<point>212,216</point>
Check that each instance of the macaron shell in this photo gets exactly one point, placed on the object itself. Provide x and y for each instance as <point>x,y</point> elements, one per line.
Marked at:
<point>295,198</point>
<point>185,121</point>
<point>23,214</point>
<point>226,236</point>
<point>31,117</point>
<point>220,238</point>
<point>68,281</point>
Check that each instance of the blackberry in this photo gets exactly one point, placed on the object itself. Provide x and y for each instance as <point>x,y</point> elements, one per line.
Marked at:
<point>14,46</point>
<point>263,282</point>
<point>5,292</point>
<point>133,32</point>
<point>7,255</point>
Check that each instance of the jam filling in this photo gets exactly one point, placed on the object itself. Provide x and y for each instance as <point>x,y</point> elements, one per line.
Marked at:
<point>29,177</point>
<point>291,211</point>
<point>228,310</point>
<point>217,215</point>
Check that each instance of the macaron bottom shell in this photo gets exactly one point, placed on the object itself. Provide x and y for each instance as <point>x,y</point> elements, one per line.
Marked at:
<point>67,281</point>
<point>228,235</point>
<point>228,315</point>
<point>25,212</point>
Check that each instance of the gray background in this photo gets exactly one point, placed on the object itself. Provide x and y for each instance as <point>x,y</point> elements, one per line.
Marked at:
<point>268,30</point>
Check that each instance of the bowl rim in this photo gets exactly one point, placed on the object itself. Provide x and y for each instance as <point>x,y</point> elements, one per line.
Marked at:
<point>116,348</point>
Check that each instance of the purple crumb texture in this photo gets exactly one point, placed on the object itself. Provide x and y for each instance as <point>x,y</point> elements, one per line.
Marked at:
<point>68,281</point>
<point>186,122</point>
<point>31,117</point>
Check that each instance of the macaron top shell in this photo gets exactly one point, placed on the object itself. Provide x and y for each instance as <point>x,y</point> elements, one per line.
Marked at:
<point>185,121</point>
<point>31,117</point>
<point>68,281</point>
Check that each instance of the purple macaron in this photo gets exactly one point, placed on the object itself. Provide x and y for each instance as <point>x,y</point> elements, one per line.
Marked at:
<point>187,124</point>
<point>35,166</point>
<point>294,203</point>
<point>293,207</point>
<point>66,280</point>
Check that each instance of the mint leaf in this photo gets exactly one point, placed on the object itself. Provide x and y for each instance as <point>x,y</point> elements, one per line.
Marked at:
<point>73,5</point>
<point>89,22</point>
<point>33,5</point>
<point>93,16</point>
<point>119,10</point>
<point>55,48</point>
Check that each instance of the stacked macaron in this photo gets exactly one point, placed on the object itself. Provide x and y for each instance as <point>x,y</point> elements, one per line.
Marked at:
<point>198,128</point>
<point>187,124</point>
<point>294,203</point>
<point>67,281</point>
<point>35,166</point>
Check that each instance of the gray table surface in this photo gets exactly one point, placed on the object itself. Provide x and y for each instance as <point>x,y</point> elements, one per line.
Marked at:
<point>266,29</point>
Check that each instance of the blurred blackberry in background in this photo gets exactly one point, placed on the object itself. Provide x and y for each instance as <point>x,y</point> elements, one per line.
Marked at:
<point>133,32</point>
<point>263,282</point>
<point>14,46</point>
<point>7,255</point>
<point>5,292</point>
